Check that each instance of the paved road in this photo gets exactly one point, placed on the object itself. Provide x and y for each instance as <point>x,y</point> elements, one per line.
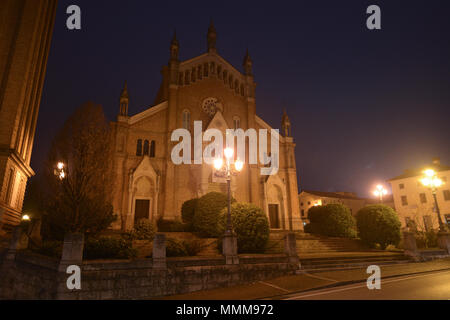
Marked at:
<point>430,286</point>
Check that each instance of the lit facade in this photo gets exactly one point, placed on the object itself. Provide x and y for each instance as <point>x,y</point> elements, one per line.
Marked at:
<point>414,202</point>
<point>209,89</point>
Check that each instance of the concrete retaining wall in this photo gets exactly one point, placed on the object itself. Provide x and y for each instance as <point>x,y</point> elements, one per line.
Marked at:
<point>32,276</point>
<point>26,275</point>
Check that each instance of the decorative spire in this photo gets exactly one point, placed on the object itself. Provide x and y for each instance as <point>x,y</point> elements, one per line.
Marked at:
<point>124,100</point>
<point>247,64</point>
<point>174,47</point>
<point>212,37</point>
<point>286,124</point>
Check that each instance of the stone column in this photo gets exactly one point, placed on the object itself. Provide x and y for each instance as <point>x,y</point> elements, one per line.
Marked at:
<point>409,244</point>
<point>72,254</point>
<point>444,241</point>
<point>290,248</point>
<point>159,251</point>
<point>230,249</point>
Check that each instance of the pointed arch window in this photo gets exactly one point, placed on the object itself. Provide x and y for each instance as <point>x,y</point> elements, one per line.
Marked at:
<point>139,148</point>
<point>236,122</point>
<point>146,148</point>
<point>152,149</point>
<point>186,119</point>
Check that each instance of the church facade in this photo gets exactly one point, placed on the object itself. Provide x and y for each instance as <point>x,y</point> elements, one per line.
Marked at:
<point>208,89</point>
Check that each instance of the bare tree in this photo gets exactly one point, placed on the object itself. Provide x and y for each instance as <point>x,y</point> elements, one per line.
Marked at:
<point>79,200</point>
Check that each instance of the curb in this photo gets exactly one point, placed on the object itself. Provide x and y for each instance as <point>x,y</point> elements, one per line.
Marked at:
<point>345,283</point>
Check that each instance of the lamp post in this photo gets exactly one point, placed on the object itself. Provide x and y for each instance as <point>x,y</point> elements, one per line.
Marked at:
<point>432,181</point>
<point>380,191</point>
<point>226,171</point>
<point>59,170</point>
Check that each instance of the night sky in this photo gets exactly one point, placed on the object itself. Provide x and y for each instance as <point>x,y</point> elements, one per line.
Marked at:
<point>364,105</point>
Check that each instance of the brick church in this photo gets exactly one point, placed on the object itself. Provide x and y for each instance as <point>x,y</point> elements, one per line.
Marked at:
<point>209,89</point>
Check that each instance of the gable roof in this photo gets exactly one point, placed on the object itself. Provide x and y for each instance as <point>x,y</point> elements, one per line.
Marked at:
<point>346,195</point>
<point>410,173</point>
<point>146,113</point>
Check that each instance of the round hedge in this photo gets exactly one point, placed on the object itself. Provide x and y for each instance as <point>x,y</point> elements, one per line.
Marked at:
<point>332,220</point>
<point>251,226</point>
<point>143,230</point>
<point>207,213</point>
<point>188,210</point>
<point>378,224</point>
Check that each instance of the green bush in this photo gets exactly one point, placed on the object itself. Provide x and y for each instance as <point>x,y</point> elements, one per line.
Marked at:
<point>332,220</point>
<point>175,248</point>
<point>143,230</point>
<point>50,249</point>
<point>426,239</point>
<point>188,210</point>
<point>193,247</point>
<point>378,224</point>
<point>308,228</point>
<point>207,214</point>
<point>171,226</point>
<point>108,248</point>
<point>250,225</point>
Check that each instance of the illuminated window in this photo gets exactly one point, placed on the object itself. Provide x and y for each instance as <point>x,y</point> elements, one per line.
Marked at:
<point>401,186</point>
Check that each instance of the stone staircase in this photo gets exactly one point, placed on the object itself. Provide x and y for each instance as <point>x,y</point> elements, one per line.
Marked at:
<point>320,254</point>
<point>348,262</point>
<point>309,244</point>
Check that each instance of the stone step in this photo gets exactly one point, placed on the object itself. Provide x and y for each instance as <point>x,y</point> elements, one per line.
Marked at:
<point>333,263</point>
<point>347,260</point>
<point>346,266</point>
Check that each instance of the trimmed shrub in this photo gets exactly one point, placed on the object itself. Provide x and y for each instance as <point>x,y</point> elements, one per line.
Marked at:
<point>187,211</point>
<point>332,220</point>
<point>175,248</point>
<point>108,248</point>
<point>143,230</point>
<point>250,225</point>
<point>426,239</point>
<point>193,247</point>
<point>207,214</point>
<point>308,228</point>
<point>50,249</point>
<point>171,226</point>
<point>378,224</point>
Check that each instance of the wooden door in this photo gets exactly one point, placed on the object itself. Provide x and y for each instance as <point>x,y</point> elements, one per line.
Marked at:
<point>273,216</point>
<point>142,210</point>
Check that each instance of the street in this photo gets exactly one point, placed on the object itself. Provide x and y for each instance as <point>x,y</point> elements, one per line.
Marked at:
<point>429,286</point>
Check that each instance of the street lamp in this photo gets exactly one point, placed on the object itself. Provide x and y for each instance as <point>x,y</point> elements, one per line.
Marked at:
<point>380,191</point>
<point>59,171</point>
<point>226,171</point>
<point>432,181</point>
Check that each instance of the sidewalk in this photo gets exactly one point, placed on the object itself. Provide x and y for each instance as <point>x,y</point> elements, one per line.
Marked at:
<point>302,282</point>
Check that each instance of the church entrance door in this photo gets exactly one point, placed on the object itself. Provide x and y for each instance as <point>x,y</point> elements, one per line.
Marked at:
<point>273,216</point>
<point>142,210</point>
